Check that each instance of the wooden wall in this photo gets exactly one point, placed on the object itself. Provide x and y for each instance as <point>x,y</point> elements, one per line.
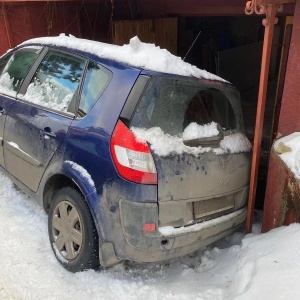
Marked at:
<point>162,32</point>
<point>27,20</point>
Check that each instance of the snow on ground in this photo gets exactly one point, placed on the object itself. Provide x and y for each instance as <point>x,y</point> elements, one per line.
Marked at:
<point>291,156</point>
<point>257,266</point>
<point>136,53</point>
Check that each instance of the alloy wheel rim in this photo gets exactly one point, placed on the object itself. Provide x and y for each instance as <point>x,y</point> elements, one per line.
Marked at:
<point>67,230</point>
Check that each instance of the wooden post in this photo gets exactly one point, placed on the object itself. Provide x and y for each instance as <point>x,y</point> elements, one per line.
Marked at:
<point>269,22</point>
<point>7,25</point>
<point>79,24</point>
<point>281,77</point>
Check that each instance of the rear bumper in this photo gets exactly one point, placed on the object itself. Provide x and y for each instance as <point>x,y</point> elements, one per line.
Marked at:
<point>168,242</point>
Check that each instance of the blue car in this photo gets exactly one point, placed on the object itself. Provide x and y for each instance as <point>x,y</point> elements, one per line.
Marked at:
<point>130,161</point>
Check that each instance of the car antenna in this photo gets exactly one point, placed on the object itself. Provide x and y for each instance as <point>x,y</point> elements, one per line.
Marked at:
<point>192,45</point>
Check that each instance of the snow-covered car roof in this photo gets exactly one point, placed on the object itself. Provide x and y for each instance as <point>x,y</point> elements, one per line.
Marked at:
<point>136,53</point>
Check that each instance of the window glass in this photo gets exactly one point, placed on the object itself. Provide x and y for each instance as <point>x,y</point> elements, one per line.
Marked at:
<point>3,62</point>
<point>14,69</point>
<point>96,80</point>
<point>56,81</point>
<point>172,104</point>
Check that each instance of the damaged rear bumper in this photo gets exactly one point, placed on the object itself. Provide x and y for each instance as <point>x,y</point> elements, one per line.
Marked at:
<point>168,242</point>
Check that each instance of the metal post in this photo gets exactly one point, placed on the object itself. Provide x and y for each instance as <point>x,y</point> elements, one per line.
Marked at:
<point>269,22</point>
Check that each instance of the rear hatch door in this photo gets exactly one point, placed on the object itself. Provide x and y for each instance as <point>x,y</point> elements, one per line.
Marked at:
<point>195,129</point>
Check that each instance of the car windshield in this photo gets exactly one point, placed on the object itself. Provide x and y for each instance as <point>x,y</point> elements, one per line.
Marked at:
<point>172,104</point>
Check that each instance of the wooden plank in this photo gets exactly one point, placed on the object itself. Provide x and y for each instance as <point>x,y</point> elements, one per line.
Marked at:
<point>162,32</point>
<point>205,3</point>
<point>7,25</point>
<point>281,78</point>
<point>18,1</point>
<point>206,11</point>
<point>217,8</point>
<point>266,2</point>
<point>166,34</point>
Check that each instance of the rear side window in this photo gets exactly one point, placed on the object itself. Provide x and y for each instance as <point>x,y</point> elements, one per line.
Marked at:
<point>56,80</point>
<point>16,68</point>
<point>96,80</point>
<point>172,104</point>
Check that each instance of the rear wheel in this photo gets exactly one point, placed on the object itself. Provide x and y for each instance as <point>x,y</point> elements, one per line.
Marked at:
<point>72,232</point>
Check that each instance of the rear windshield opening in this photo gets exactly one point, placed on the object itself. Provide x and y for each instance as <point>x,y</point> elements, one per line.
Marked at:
<point>172,104</point>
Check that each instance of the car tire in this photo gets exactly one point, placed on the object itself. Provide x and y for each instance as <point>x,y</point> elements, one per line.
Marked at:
<point>72,232</point>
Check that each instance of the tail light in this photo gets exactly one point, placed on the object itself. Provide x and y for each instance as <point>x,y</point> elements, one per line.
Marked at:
<point>132,158</point>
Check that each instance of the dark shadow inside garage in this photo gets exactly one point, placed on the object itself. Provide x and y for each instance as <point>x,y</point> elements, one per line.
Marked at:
<point>231,47</point>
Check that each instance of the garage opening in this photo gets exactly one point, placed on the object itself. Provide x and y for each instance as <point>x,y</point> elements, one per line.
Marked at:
<point>231,47</point>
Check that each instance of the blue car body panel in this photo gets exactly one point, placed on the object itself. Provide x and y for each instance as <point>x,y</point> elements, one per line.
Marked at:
<point>25,126</point>
<point>5,106</point>
<point>79,149</point>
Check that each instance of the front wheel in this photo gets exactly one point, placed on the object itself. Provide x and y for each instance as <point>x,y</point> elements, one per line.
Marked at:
<point>72,232</point>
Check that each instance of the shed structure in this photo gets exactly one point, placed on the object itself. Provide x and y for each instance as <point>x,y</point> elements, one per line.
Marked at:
<point>231,44</point>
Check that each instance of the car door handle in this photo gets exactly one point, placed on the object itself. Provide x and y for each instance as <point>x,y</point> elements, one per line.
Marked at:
<point>2,111</point>
<point>48,132</point>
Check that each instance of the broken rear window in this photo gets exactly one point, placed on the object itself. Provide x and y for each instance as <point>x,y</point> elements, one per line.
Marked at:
<point>172,104</point>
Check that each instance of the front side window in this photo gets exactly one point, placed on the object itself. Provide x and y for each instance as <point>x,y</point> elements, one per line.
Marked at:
<point>95,82</point>
<point>56,81</point>
<point>15,67</point>
<point>172,104</point>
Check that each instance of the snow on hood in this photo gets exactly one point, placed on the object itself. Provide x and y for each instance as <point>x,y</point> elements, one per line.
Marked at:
<point>165,144</point>
<point>136,53</point>
<point>292,157</point>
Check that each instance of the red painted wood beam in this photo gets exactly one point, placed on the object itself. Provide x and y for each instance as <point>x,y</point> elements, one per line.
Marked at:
<point>264,74</point>
<point>19,1</point>
<point>266,2</point>
<point>7,25</point>
<point>216,8</point>
<point>204,7</point>
<point>205,10</point>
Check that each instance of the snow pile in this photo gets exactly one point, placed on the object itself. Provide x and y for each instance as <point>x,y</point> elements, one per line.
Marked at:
<point>165,144</point>
<point>196,131</point>
<point>291,158</point>
<point>268,266</point>
<point>136,53</point>
<point>256,266</point>
<point>6,85</point>
<point>235,143</point>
